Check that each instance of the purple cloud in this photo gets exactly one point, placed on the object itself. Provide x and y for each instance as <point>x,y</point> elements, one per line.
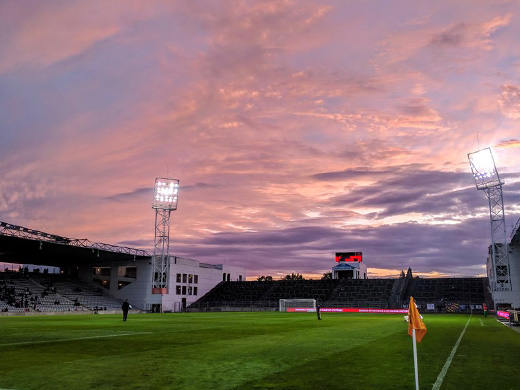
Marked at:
<point>296,128</point>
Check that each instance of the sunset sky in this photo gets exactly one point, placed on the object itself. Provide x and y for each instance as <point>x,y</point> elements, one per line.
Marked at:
<point>296,128</point>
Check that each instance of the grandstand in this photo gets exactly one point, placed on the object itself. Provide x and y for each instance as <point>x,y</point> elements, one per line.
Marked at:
<point>442,293</point>
<point>35,292</point>
<point>96,276</point>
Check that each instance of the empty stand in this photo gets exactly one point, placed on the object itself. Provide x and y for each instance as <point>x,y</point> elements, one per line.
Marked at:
<point>50,293</point>
<point>367,293</point>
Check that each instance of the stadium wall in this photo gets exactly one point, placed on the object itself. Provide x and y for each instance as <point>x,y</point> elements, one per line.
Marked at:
<point>510,298</point>
<point>184,291</point>
<point>188,281</point>
<point>138,291</point>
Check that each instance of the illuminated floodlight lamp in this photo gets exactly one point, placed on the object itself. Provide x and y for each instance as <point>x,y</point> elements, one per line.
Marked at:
<point>483,169</point>
<point>165,194</point>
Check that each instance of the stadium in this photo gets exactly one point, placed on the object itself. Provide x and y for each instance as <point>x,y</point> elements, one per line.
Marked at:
<point>112,274</point>
<point>160,283</point>
<point>234,333</point>
<point>330,232</point>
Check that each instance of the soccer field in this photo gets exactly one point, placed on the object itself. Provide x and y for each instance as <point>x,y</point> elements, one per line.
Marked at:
<point>253,350</point>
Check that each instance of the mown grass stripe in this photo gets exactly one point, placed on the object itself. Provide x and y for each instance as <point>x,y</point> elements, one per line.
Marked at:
<point>72,339</point>
<point>438,383</point>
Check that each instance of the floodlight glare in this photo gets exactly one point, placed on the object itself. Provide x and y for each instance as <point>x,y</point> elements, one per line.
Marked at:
<point>483,169</point>
<point>165,194</point>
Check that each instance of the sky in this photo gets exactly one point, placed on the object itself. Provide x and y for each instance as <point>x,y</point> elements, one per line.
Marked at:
<point>297,129</point>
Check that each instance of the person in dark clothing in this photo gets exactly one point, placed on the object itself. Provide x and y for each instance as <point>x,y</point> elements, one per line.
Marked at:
<point>125,306</point>
<point>318,307</point>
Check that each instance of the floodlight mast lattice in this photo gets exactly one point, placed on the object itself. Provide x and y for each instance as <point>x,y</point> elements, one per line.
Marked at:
<point>166,192</point>
<point>488,180</point>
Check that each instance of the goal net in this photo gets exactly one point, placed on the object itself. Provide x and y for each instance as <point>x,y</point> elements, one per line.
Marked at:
<point>286,304</point>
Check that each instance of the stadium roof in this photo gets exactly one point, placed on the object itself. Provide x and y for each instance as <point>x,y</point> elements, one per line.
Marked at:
<point>515,234</point>
<point>29,246</point>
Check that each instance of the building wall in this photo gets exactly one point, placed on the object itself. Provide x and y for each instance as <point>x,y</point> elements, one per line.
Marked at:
<point>360,270</point>
<point>195,275</point>
<point>511,297</point>
<point>196,279</point>
<point>138,292</point>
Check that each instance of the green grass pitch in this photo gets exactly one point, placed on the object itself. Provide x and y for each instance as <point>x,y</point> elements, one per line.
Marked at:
<point>253,351</point>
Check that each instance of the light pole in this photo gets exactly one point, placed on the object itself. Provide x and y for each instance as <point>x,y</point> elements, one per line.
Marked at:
<point>165,198</point>
<point>487,179</point>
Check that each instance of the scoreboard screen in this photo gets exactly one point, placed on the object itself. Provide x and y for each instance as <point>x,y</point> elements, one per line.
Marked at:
<point>349,256</point>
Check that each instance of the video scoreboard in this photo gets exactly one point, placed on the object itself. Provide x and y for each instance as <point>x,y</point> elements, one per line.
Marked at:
<point>349,256</point>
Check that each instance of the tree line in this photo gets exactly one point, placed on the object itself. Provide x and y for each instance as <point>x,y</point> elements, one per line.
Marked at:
<point>292,276</point>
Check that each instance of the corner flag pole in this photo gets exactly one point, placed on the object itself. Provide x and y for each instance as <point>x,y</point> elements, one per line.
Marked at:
<point>417,330</point>
<point>415,361</point>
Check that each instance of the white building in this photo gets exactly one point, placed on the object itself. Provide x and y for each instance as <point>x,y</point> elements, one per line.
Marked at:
<point>349,265</point>
<point>508,298</point>
<point>189,280</point>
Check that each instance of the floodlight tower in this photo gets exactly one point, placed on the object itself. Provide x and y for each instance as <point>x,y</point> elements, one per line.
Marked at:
<point>487,179</point>
<point>164,202</point>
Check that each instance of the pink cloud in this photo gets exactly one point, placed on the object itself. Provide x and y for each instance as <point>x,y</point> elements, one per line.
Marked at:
<point>510,101</point>
<point>43,35</point>
<point>510,143</point>
<point>471,37</point>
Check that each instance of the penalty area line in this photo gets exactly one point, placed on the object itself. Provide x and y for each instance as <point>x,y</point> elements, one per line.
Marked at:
<point>442,374</point>
<point>74,339</point>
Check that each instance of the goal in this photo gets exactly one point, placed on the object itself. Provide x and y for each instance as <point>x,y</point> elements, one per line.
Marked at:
<point>308,303</point>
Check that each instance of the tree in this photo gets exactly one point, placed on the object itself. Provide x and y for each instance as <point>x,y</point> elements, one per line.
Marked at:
<point>327,276</point>
<point>266,278</point>
<point>293,276</point>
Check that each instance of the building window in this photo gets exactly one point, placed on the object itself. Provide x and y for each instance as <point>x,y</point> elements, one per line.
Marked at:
<point>195,279</point>
<point>121,284</point>
<point>178,290</point>
<point>190,278</point>
<point>194,290</point>
<point>104,271</point>
<point>189,290</point>
<point>178,278</point>
<point>131,272</point>
<point>183,290</point>
<point>184,278</point>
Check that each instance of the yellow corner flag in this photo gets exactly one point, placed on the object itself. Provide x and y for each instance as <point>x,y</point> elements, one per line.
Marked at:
<point>415,321</point>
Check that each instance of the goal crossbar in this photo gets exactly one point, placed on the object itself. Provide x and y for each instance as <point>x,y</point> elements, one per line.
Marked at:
<point>307,303</point>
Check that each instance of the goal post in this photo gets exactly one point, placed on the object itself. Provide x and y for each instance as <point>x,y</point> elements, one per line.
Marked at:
<point>297,304</point>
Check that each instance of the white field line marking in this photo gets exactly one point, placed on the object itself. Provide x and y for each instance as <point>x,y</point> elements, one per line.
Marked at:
<point>74,339</point>
<point>442,374</point>
<point>481,324</point>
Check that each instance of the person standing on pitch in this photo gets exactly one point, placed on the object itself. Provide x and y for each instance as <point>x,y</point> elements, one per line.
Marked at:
<point>125,306</point>
<point>318,307</point>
